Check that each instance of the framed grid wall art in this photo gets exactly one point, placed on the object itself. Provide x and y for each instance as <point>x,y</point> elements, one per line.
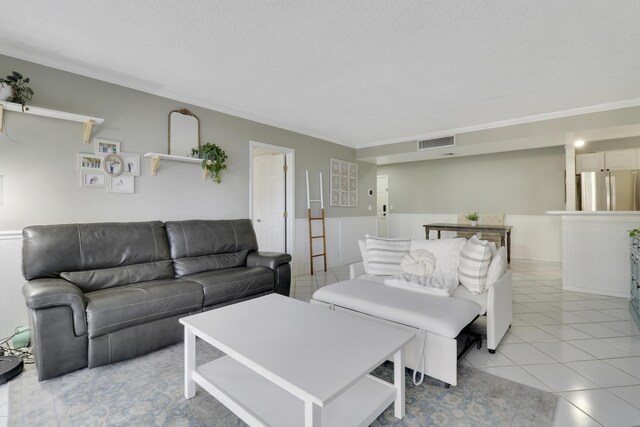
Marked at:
<point>344,183</point>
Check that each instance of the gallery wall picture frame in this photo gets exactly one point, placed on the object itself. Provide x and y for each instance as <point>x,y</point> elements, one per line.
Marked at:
<point>113,164</point>
<point>90,161</point>
<point>122,184</point>
<point>131,164</point>
<point>105,146</point>
<point>344,183</point>
<point>94,179</point>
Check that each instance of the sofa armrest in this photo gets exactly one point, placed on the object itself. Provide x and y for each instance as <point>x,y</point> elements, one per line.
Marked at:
<point>45,293</point>
<point>356,270</point>
<point>279,263</point>
<point>270,260</point>
<point>499,310</point>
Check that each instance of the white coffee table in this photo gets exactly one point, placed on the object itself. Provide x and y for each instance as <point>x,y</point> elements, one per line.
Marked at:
<point>289,363</point>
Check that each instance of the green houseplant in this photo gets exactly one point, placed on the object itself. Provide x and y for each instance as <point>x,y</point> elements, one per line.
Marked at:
<point>20,92</point>
<point>634,233</point>
<point>473,217</point>
<point>213,161</point>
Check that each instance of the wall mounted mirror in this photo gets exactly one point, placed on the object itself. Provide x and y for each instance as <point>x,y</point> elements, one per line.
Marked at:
<point>184,132</point>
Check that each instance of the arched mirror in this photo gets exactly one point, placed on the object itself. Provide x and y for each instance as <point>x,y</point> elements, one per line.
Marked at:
<point>184,132</point>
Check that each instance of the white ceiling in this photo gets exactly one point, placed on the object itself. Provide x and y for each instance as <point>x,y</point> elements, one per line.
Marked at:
<point>358,72</point>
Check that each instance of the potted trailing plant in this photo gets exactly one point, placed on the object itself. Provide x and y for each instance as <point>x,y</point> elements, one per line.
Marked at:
<point>634,233</point>
<point>20,92</point>
<point>213,161</point>
<point>473,218</point>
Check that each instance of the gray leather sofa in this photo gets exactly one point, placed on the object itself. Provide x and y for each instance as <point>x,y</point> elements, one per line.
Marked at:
<point>105,292</point>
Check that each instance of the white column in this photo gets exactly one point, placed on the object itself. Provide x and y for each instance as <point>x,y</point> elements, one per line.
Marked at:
<point>570,181</point>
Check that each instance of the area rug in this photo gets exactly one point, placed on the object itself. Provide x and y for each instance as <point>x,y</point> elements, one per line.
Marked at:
<point>148,391</point>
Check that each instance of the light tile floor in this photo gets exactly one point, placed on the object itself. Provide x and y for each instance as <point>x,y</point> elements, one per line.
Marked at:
<point>583,347</point>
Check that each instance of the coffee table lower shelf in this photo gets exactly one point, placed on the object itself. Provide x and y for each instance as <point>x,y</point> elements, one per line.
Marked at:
<point>259,402</point>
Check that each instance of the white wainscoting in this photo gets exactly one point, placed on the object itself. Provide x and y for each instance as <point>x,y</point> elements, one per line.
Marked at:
<point>342,236</point>
<point>13,311</point>
<point>533,237</point>
<point>596,253</point>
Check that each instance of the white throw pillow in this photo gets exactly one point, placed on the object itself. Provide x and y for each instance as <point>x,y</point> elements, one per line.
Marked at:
<point>494,249</point>
<point>447,254</point>
<point>473,264</point>
<point>497,268</point>
<point>362,244</point>
<point>418,263</point>
<point>385,255</point>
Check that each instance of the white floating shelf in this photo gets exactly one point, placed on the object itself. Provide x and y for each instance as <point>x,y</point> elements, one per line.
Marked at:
<point>45,112</point>
<point>155,160</point>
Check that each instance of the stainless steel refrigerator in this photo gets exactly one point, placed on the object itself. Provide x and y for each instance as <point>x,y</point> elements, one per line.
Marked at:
<point>609,190</point>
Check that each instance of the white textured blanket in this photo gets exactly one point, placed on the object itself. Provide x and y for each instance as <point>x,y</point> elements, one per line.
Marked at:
<point>434,284</point>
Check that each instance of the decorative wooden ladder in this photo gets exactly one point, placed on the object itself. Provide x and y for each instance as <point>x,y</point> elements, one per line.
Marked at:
<point>318,218</point>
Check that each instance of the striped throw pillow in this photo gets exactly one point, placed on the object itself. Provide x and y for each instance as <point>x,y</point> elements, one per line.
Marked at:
<point>473,264</point>
<point>385,255</point>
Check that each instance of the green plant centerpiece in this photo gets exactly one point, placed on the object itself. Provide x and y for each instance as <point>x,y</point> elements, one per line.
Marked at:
<point>213,161</point>
<point>473,216</point>
<point>20,92</point>
<point>634,233</point>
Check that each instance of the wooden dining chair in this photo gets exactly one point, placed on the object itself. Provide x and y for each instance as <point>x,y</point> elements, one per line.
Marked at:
<point>491,219</point>
<point>462,219</point>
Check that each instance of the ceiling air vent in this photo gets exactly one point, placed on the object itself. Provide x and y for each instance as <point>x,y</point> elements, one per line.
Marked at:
<point>427,144</point>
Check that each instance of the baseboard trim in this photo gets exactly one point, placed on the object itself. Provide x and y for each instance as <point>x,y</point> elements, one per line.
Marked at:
<point>596,292</point>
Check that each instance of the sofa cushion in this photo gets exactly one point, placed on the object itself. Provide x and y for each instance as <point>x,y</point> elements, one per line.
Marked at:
<point>480,299</point>
<point>93,280</point>
<point>473,264</point>
<point>48,250</point>
<point>231,283</point>
<point>385,255</point>
<point>444,316</point>
<point>112,309</point>
<point>197,264</point>
<point>207,237</point>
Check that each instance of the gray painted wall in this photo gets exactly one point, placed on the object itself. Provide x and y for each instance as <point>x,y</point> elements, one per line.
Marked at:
<point>38,157</point>
<point>609,145</point>
<point>525,182</point>
<point>536,134</point>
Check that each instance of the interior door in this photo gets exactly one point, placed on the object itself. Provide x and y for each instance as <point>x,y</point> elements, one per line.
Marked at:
<point>269,201</point>
<point>382,207</point>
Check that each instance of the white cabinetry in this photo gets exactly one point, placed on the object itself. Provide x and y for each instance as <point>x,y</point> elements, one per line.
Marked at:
<point>620,160</point>
<point>590,162</point>
<point>607,160</point>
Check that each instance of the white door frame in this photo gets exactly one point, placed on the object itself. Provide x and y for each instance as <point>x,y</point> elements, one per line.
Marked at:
<point>388,206</point>
<point>290,182</point>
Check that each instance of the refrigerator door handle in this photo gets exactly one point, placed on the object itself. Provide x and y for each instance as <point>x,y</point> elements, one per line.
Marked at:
<point>635,179</point>
<point>614,202</point>
<point>608,191</point>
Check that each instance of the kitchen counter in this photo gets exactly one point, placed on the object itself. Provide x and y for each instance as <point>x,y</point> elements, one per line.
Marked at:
<point>595,251</point>
<point>584,213</point>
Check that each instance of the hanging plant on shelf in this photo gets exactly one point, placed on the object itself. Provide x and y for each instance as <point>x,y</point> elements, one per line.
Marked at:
<point>20,92</point>
<point>213,161</point>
